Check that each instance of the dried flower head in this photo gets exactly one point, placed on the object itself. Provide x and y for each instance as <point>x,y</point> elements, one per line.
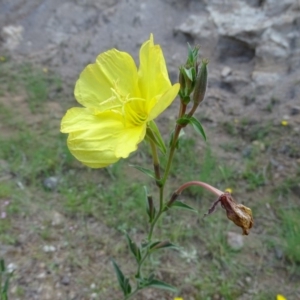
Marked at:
<point>239,214</point>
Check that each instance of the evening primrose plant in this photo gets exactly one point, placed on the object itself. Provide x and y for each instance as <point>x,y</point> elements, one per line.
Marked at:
<point>119,105</point>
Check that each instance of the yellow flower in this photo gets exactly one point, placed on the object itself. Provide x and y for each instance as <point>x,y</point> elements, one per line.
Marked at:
<point>2,58</point>
<point>178,298</point>
<point>280,297</point>
<point>118,101</point>
<point>284,123</point>
<point>229,190</point>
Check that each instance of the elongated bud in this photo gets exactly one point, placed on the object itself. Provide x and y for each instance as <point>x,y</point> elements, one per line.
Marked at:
<point>172,199</point>
<point>164,244</point>
<point>201,83</point>
<point>150,208</point>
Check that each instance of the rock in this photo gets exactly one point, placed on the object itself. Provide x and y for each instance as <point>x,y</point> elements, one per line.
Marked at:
<point>51,183</point>
<point>259,145</point>
<point>11,267</point>
<point>278,252</point>
<point>226,71</point>
<point>12,36</point>
<point>49,248</point>
<point>202,30</point>
<point>265,81</point>
<point>248,279</point>
<point>42,275</point>
<point>93,286</point>
<point>295,110</point>
<point>65,280</point>
<point>57,219</point>
<point>235,240</point>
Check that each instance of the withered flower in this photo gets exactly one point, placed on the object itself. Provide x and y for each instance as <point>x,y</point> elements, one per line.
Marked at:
<point>239,214</point>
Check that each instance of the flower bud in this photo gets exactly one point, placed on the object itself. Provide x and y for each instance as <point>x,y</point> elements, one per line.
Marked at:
<point>150,208</point>
<point>201,83</point>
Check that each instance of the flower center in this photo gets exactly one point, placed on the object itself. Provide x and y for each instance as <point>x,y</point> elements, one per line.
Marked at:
<point>132,108</point>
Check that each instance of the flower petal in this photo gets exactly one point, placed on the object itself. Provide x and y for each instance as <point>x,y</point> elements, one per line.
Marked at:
<point>98,140</point>
<point>113,69</point>
<point>163,102</point>
<point>153,75</point>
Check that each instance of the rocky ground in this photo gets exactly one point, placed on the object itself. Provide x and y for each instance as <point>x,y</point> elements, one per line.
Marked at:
<point>253,46</point>
<point>254,71</point>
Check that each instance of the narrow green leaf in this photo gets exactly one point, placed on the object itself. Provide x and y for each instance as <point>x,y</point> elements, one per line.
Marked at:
<point>120,277</point>
<point>162,245</point>
<point>198,127</point>
<point>182,205</point>
<point>161,285</point>
<point>144,170</point>
<point>2,266</point>
<point>127,287</point>
<point>157,137</point>
<point>133,248</point>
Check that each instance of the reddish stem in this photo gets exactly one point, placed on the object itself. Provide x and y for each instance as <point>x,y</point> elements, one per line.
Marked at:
<point>199,183</point>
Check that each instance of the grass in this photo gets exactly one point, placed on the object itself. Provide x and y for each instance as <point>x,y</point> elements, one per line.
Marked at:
<point>291,234</point>
<point>97,205</point>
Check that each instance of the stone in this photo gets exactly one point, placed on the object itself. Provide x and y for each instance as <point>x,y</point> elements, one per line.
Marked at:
<point>12,36</point>
<point>57,219</point>
<point>51,183</point>
<point>49,248</point>
<point>226,71</point>
<point>65,280</point>
<point>235,240</point>
<point>11,267</point>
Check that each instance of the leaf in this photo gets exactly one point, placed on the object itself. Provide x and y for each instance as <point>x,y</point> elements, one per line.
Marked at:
<point>162,245</point>
<point>2,266</point>
<point>155,135</point>
<point>148,172</point>
<point>161,285</point>
<point>133,248</point>
<point>183,121</point>
<point>188,73</point>
<point>198,127</point>
<point>123,282</point>
<point>182,205</point>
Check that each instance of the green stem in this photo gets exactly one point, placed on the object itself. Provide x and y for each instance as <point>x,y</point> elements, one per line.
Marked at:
<point>161,184</point>
<point>178,128</point>
<point>160,211</point>
<point>156,164</point>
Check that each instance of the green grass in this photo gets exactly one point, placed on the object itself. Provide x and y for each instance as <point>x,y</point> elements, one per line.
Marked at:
<point>291,234</point>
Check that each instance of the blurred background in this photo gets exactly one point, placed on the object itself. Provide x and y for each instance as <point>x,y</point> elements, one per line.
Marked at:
<point>60,222</point>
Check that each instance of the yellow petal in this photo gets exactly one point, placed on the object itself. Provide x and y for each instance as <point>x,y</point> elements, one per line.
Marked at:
<point>164,101</point>
<point>280,297</point>
<point>98,140</point>
<point>153,75</point>
<point>113,70</point>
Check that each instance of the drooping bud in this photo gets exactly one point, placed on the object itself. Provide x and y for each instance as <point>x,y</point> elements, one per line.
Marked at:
<point>150,208</point>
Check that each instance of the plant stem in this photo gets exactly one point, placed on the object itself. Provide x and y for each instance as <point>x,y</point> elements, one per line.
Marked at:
<point>199,183</point>
<point>156,164</point>
<point>160,211</point>
<point>160,182</point>
<point>178,128</point>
